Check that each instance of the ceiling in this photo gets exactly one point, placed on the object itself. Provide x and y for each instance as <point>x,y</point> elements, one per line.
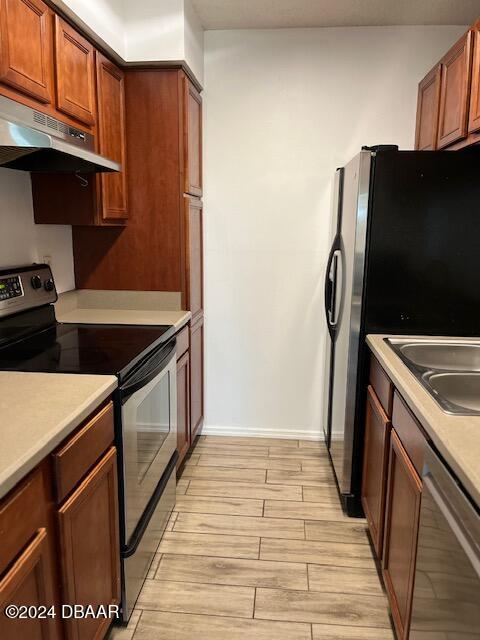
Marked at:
<point>271,14</point>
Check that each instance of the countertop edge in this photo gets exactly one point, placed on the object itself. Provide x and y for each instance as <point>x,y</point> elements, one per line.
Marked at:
<point>12,475</point>
<point>426,410</point>
<point>131,317</point>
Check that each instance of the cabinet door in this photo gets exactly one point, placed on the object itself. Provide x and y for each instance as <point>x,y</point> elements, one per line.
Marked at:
<point>196,378</point>
<point>401,533</point>
<point>194,250</point>
<point>454,92</point>
<point>26,47</point>
<point>192,123</point>
<point>90,550</point>
<point>474,119</point>
<point>183,406</point>
<point>428,103</point>
<point>111,137</point>
<point>75,73</point>
<point>375,461</point>
<point>29,582</point>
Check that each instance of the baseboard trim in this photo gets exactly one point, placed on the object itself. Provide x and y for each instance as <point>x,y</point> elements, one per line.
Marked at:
<point>254,432</point>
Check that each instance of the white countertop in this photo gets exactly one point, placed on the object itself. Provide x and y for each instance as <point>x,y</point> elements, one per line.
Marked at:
<point>457,438</point>
<point>126,316</point>
<point>39,410</point>
<point>90,306</point>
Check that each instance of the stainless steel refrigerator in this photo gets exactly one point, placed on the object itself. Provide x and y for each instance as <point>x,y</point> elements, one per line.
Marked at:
<point>404,249</point>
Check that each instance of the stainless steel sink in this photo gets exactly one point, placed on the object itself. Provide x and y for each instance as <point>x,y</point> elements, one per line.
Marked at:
<point>454,390</point>
<point>448,369</point>
<point>450,357</point>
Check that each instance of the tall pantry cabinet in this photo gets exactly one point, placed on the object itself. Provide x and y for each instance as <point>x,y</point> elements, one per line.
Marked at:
<point>161,247</point>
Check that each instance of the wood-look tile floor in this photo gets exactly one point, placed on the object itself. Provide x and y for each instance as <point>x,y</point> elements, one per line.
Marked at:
<point>258,547</point>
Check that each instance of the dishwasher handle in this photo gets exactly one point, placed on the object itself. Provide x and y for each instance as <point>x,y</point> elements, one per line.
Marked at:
<point>468,543</point>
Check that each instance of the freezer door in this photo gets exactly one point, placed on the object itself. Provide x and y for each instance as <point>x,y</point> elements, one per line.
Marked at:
<point>349,293</point>
<point>331,298</point>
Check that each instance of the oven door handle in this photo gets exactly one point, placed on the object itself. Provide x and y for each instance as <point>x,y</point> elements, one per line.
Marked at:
<point>129,549</point>
<point>148,372</point>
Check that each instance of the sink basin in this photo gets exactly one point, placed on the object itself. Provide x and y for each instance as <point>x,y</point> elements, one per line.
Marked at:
<point>462,390</point>
<point>448,369</point>
<point>447,356</point>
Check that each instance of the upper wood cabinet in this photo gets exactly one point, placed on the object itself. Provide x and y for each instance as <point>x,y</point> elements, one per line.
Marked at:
<point>192,124</point>
<point>194,246</point>
<point>455,92</point>
<point>26,48</point>
<point>474,117</point>
<point>112,137</point>
<point>91,200</point>
<point>375,461</point>
<point>75,73</point>
<point>89,540</point>
<point>427,111</point>
<point>401,533</point>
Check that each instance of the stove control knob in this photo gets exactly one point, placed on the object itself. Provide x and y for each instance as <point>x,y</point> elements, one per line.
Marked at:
<point>36,282</point>
<point>49,285</point>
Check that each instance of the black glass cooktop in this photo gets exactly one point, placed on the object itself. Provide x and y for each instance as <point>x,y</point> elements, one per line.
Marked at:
<point>84,348</point>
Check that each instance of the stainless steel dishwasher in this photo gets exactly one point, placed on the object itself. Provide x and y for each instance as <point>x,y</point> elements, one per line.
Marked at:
<point>446,600</point>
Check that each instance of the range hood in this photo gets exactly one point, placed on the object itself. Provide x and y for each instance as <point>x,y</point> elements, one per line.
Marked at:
<point>33,141</point>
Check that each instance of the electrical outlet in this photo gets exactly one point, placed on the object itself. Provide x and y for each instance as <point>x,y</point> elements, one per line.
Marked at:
<point>47,260</point>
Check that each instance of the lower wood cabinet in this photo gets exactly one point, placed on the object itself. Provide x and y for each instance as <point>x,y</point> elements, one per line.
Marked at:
<point>29,582</point>
<point>196,377</point>
<point>59,537</point>
<point>375,462</point>
<point>183,406</point>
<point>401,532</point>
<point>394,449</point>
<point>89,542</point>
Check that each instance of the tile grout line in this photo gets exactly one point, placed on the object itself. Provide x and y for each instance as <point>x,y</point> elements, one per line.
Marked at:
<point>306,562</point>
<point>138,621</point>
<point>301,623</point>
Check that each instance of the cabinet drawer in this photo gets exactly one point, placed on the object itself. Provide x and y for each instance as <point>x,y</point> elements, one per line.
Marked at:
<point>22,513</point>
<point>409,431</point>
<point>381,385</point>
<point>80,452</point>
<point>183,341</point>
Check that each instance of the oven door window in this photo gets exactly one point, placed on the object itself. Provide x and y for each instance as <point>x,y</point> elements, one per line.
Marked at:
<point>149,441</point>
<point>153,420</point>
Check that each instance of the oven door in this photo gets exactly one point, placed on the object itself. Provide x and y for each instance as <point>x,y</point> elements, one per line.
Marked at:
<point>149,431</point>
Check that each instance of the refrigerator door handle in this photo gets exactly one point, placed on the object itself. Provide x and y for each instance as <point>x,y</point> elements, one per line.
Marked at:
<point>331,286</point>
<point>335,297</point>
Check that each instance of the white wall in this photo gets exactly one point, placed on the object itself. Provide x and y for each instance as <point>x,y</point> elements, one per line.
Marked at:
<point>105,17</point>
<point>193,41</point>
<point>169,30</point>
<point>144,30</point>
<point>22,241</point>
<point>283,109</point>
<point>154,30</point>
